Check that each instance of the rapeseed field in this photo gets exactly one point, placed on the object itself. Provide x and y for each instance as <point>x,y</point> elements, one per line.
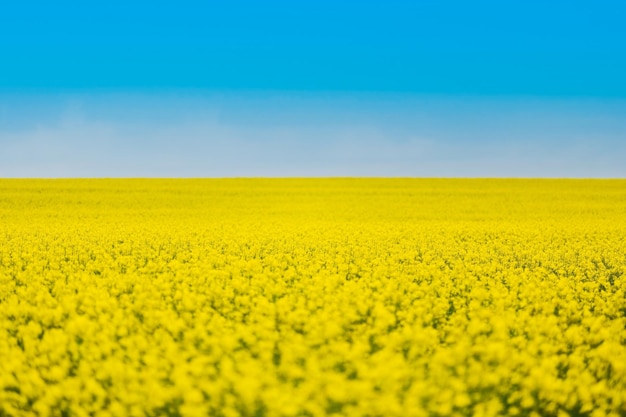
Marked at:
<point>312,297</point>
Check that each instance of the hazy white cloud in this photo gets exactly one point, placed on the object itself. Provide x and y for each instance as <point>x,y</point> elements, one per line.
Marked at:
<point>135,136</point>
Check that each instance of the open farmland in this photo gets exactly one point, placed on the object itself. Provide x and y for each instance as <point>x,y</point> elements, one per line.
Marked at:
<point>313,297</point>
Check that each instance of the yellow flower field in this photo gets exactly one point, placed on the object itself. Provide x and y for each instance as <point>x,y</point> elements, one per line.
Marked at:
<point>312,297</point>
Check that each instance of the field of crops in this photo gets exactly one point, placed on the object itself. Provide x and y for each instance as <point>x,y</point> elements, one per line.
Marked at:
<point>313,297</point>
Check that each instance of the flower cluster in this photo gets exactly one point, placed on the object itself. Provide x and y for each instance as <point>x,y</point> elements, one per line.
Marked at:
<point>312,297</point>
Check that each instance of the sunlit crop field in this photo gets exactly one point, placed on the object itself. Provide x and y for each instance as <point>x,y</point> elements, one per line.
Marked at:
<point>312,297</point>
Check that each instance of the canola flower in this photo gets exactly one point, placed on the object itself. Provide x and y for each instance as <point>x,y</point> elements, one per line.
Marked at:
<point>312,297</point>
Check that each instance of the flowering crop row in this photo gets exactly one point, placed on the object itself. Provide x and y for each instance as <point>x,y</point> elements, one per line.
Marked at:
<point>312,297</point>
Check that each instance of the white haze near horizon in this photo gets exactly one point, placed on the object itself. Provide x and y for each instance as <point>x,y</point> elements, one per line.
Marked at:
<point>178,134</point>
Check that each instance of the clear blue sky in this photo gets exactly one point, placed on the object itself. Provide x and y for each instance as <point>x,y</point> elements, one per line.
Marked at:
<point>574,48</point>
<point>343,88</point>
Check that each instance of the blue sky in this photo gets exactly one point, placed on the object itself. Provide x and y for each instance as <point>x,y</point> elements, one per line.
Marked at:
<point>396,88</point>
